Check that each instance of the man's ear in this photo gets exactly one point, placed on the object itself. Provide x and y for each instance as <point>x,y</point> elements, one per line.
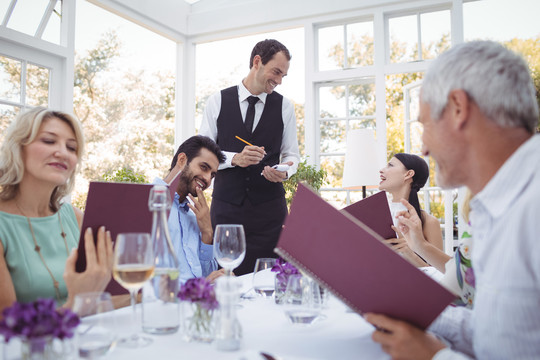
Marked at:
<point>181,161</point>
<point>257,61</point>
<point>458,105</point>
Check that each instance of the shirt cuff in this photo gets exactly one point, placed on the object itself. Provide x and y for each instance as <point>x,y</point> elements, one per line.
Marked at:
<point>228,160</point>
<point>206,252</point>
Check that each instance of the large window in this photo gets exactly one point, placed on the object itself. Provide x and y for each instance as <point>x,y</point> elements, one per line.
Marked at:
<point>342,107</point>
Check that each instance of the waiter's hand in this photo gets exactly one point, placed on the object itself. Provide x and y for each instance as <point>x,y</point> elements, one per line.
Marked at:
<point>251,155</point>
<point>202,213</point>
<point>274,175</point>
<point>402,340</point>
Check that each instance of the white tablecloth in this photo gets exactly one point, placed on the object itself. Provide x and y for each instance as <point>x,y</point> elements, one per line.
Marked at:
<point>340,335</point>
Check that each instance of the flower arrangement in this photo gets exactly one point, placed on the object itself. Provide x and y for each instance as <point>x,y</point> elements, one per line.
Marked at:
<point>284,270</point>
<point>201,296</point>
<point>38,319</point>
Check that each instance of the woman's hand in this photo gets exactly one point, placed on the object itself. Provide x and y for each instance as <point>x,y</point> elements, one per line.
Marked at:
<point>401,246</point>
<point>410,225</point>
<point>99,262</point>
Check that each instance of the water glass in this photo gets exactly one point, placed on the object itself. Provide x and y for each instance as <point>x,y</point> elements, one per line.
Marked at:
<point>263,277</point>
<point>302,300</point>
<point>229,246</point>
<point>96,333</point>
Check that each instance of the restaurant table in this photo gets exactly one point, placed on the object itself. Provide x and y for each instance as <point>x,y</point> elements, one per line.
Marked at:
<point>339,334</point>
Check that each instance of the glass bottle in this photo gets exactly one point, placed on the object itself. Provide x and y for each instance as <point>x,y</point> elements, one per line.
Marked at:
<point>228,335</point>
<point>160,304</point>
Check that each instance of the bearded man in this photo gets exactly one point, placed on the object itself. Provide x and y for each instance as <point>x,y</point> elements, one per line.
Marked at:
<point>197,161</point>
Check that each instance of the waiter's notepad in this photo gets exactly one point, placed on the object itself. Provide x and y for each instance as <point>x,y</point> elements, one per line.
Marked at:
<point>347,257</point>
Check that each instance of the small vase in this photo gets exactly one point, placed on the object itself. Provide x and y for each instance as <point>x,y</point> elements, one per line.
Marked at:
<point>40,348</point>
<point>279,290</point>
<point>197,322</point>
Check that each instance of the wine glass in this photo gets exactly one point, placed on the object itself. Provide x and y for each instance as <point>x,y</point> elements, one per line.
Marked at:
<point>264,280</point>
<point>96,332</point>
<point>133,266</point>
<point>229,246</point>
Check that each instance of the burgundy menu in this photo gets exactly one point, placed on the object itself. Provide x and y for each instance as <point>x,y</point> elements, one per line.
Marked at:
<point>347,257</point>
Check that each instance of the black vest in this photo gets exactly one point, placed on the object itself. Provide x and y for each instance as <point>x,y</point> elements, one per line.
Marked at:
<point>234,184</point>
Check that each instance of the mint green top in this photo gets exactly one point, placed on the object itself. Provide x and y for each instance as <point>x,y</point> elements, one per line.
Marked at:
<point>28,274</point>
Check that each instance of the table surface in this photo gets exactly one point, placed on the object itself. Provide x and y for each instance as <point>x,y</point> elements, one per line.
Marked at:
<point>340,334</point>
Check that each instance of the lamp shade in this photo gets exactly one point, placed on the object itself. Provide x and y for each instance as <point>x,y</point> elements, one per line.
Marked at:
<point>361,165</point>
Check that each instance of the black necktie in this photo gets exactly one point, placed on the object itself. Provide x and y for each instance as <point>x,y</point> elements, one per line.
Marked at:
<point>250,114</point>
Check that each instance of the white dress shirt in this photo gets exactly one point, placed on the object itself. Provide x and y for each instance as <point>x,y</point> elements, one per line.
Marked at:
<point>505,320</point>
<point>289,142</point>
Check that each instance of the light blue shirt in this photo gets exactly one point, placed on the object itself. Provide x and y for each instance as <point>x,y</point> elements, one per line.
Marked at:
<point>196,258</point>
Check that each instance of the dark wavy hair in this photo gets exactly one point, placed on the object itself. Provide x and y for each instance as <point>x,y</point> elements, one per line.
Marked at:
<point>421,174</point>
<point>266,49</point>
<point>192,148</point>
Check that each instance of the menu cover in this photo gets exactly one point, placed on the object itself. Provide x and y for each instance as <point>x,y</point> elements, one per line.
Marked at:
<point>348,258</point>
<point>120,207</point>
<point>374,212</point>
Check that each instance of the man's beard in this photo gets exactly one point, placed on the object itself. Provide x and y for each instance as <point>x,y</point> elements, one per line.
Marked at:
<point>186,179</point>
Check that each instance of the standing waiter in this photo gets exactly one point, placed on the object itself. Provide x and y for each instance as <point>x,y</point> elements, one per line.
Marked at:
<point>247,190</point>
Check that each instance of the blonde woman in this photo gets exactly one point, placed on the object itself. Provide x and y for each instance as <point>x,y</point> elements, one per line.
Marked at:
<point>38,233</point>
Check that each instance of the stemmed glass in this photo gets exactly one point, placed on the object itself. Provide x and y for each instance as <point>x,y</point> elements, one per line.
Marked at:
<point>97,332</point>
<point>133,266</point>
<point>229,246</point>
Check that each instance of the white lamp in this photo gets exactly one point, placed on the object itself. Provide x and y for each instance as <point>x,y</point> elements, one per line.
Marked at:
<point>361,166</point>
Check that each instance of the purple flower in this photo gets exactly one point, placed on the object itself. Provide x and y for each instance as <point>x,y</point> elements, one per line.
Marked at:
<point>284,270</point>
<point>201,291</point>
<point>469,277</point>
<point>37,319</point>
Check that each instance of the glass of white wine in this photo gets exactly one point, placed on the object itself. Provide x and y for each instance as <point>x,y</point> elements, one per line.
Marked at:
<point>133,266</point>
<point>229,246</point>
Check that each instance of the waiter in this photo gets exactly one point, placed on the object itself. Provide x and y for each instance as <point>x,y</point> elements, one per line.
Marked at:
<point>247,190</point>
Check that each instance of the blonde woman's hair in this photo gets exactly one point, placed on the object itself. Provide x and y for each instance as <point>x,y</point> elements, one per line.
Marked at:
<point>22,131</point>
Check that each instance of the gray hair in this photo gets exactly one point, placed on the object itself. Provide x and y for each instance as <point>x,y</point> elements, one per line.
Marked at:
<point>495,78</point>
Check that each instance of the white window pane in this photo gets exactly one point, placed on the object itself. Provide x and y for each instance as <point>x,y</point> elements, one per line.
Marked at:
<point>502,20</point>
<point>331,48</point>
<point>403,33</point>
<point>416,130</point>
<point>52,31</point>
<point>332,102</point>
<point>333,136</point>
<point>37,85</point>
<point>7,114</point>
<point>10,79</point>
<point>362,124</point>
<point>334,169</point>
<point>360,46</point>
<point>362,100</point>
<point>435,33</point>
<point>27,16</point>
